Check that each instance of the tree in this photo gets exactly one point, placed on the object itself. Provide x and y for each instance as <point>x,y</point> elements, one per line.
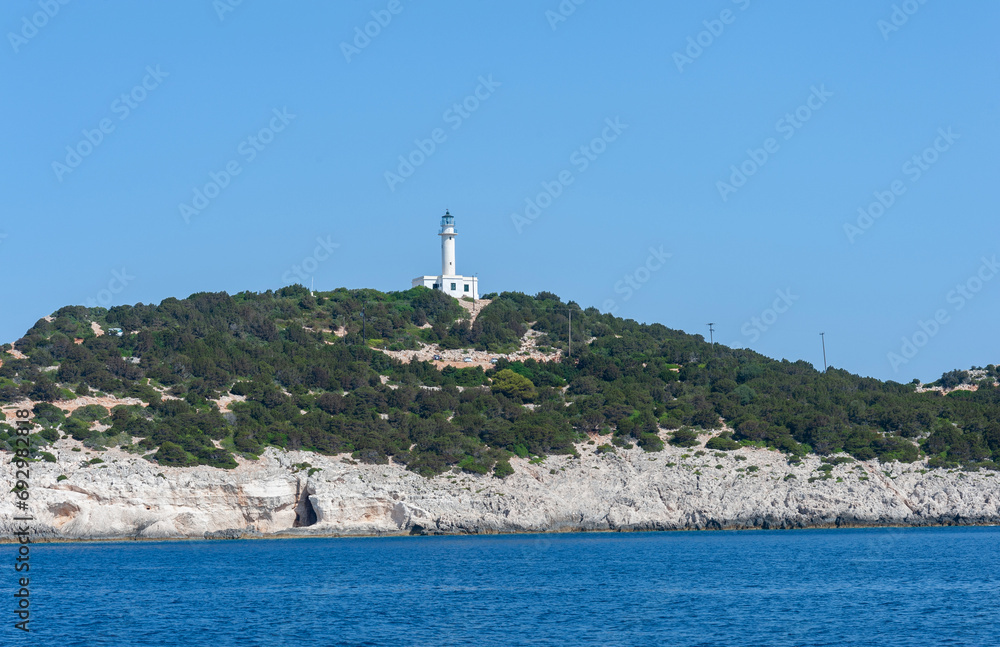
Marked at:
<point>952,379</point>
<point>172,454</point>
<point>513,385</point>
<point>684,437</point>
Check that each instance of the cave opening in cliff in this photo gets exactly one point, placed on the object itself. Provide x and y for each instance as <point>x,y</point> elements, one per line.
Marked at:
<point>305,515</point>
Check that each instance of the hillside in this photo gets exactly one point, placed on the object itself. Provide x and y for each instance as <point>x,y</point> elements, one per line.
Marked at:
<point>202,380</point>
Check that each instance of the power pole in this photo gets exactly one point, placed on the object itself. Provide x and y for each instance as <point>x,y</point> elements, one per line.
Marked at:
<point>822,336</point>
<point>364,327</point>
<point>711,336</point>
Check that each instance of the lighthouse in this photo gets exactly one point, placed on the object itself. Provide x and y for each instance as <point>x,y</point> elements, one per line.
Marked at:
<point>447,235</point>
<point>449,281</point>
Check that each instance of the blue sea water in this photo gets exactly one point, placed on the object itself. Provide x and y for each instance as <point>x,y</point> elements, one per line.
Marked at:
<point>933,586</point>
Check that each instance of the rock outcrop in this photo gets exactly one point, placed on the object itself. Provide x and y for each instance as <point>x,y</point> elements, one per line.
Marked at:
<point>301,493</point>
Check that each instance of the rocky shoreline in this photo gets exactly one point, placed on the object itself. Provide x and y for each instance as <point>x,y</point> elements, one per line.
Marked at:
<point>111,495</point>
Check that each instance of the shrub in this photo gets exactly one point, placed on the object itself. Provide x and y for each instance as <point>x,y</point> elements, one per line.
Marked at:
<point>89,413</point>
<point>78,430</point>
<point>172,454</point>
<point>684,437</point>
<point>722,443</point>
<point>520,450</point>
<point>474,465</point>
<point>50,435</point>
<point>502,469</point>
<point>513,385</point>
<point>47,414</point>
<point>650,442</point>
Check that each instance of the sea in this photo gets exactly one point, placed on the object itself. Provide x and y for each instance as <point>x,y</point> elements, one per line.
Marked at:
<point>884,586</point>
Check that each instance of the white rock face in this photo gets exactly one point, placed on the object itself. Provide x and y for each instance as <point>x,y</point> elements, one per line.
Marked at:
<point>129,497</point>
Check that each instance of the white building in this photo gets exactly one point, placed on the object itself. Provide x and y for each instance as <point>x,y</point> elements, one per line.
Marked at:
<point>449,281</point>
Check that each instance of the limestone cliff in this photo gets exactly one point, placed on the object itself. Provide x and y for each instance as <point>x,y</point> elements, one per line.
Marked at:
<point>309,494</point>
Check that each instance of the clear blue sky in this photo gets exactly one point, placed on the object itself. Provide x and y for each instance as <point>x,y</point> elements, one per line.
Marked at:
<point>869,97</point>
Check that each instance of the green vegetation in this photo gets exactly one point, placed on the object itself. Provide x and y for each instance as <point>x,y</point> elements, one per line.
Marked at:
<point>684,437</point>
<point>513,385</point>
<point>723,442</point>
<point>307,388</point>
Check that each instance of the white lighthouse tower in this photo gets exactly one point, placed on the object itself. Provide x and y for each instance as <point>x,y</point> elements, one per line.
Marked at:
<point>449,281</point>
<point>447,235</point>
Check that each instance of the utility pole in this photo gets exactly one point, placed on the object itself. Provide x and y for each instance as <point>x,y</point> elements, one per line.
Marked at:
<point>822,336</point>
<point>364,327</point>
<point>711,336</point>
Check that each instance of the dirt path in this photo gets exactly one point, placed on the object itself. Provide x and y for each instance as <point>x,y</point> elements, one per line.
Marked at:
<point>474,307</point>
